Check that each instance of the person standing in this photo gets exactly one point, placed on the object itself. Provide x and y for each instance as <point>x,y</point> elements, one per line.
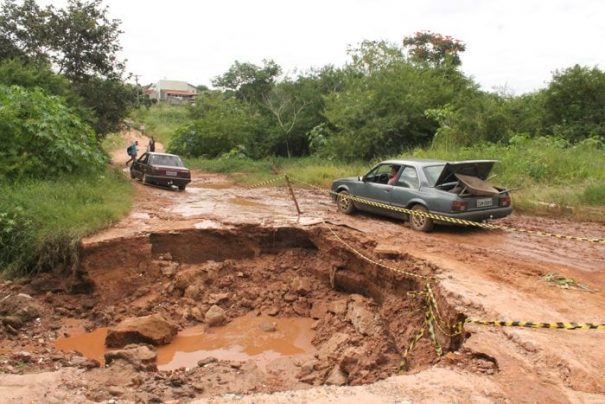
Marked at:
<point>151,145</point>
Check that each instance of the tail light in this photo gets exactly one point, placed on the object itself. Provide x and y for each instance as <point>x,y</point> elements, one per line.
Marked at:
<point>459,206</point>
<point>504,201</point>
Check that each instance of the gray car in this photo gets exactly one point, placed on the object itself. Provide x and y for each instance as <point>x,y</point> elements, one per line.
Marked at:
<point>456,189</point>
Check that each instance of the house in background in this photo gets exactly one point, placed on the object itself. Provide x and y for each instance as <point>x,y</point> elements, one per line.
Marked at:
<point>172,91</point>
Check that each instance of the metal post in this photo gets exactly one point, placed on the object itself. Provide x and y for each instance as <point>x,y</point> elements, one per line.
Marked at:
<point>292,194</point>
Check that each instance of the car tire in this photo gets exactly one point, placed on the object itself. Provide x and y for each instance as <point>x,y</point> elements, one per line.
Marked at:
<point>421,223</point>
<point>182,187</point>
<point>144,180</point>
<point>132,175</point>
<point>345,205</point>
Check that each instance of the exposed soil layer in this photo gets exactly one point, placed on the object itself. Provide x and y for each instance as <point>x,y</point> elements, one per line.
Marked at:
<point>363,316</point>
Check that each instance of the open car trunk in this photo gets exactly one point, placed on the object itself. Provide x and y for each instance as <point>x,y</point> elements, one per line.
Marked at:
<point>467,178</point>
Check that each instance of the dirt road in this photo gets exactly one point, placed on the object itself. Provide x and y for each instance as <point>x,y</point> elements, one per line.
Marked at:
<point>481,274</point>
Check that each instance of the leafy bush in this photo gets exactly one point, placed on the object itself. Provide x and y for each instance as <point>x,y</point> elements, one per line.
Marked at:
<point>224,124</point>
<point>42,221</point>
<point>41,137</point>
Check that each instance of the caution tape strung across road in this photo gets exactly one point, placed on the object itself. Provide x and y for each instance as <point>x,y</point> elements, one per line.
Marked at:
<point>464,221</point>
<point>537,324</point>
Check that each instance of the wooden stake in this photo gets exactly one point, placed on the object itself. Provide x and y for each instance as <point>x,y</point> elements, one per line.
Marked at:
<point>292,194</point>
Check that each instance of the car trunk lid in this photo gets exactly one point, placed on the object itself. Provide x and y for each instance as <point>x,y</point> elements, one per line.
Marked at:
<point>172,171</point>
<point>475,168</point>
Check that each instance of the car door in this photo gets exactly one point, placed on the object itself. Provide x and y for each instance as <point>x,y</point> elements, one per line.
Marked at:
<point>406,189</point>
<point>375,188</point>
<point>140,165</point>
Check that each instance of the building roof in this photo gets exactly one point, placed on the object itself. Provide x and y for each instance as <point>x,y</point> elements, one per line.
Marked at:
<point>174,85</point>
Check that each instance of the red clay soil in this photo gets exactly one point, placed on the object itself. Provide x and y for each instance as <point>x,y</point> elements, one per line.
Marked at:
<point>178,252</point>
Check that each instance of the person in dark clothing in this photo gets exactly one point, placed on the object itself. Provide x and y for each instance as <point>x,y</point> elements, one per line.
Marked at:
<point>151,145</point>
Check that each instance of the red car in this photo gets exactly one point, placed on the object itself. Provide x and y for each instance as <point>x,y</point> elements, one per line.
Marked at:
<point>161,169</point>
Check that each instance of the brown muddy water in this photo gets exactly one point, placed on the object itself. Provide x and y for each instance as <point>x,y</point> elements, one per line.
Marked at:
<point>262,339</point>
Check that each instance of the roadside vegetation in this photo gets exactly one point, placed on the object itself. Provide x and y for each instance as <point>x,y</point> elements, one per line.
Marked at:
<point>398,100</point>
<point>55,183</point>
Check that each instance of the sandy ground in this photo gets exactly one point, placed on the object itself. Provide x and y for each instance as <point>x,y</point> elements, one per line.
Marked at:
<point>483,274</point>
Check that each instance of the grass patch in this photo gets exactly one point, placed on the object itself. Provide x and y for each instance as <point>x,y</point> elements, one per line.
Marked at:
<point>548,176</point>
<point>42,221</point>
<point>112,142</point>
<point>311,170</point>
<point>161,120</point>
<point>563,282</point>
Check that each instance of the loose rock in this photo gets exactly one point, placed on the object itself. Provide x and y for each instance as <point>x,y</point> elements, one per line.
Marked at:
<point>153,329</point>
<point>215,316</point>
<point>140,356</point>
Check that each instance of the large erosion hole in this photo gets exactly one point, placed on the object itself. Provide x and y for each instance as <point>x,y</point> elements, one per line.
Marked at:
<point>364,315</point>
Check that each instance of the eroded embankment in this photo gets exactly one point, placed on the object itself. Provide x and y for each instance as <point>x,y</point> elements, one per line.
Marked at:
<point>363,316</point>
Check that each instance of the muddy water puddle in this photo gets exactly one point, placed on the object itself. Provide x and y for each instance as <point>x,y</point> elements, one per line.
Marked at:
<point>259,338</point>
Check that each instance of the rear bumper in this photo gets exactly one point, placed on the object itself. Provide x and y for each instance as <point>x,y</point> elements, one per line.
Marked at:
<point>480,215</point>
<point>164,180</point>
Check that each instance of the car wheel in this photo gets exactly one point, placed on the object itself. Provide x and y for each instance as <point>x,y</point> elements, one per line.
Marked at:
<point>421,223</point>
<point>132,175</point>
<point>345,204</point>
<point>145,180</point>
<point>182,187</point>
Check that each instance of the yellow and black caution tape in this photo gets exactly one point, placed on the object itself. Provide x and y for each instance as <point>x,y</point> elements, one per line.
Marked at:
<point>267,182</point>
<point>537,324</point>
<point>413,341</point>
<point>371,261</point>
<point>466,222</point>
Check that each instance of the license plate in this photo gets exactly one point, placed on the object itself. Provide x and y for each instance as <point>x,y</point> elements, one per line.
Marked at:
<point>171,173</point>
<point>483,203</point>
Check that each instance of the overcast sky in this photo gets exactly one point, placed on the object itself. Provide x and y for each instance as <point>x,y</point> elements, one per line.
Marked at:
<point>511,43</point>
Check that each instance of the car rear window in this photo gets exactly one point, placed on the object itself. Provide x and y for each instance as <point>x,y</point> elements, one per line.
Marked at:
<point>432,173</point>
<point>172,161</point>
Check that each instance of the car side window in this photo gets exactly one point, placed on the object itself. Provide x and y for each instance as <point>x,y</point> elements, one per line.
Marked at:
<point>380,174</point>
<point>144,158</point>
<point>408,178</point>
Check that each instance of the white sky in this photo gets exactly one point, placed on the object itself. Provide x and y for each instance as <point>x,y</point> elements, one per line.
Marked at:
<point>512,43</point>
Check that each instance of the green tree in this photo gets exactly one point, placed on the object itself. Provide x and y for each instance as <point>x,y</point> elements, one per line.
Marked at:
<point>574,103</point>
<point>382,111</point>
<point>435,49</point>
<point>249,82</point>
<point>80,42</point>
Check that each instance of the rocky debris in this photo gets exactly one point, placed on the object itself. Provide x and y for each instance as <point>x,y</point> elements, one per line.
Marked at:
<point>207,360</point>
<point>187,277</point>
<point>140,356</point>
<point>387,251</point>
<point>215,298</point>
<point>362,318</point>
<point>11,321</point>
<point>338,307</point>
<point>194,291</point>
<point>337,377</point>
<point>307,368</point>
<point>300,285</point>
<point>196,314</point>
<point>168,268</point>
<point>318,310</point>
<point>215,316</point>
<point>331,346</point>
<point>153,329</point>
<point>272,311</point>
<point>21,306</point>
